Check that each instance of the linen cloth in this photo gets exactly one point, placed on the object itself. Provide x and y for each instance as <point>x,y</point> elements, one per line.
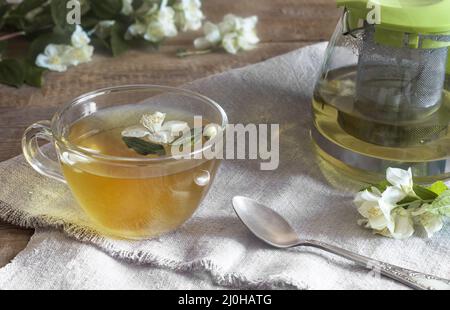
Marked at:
<point>214,249</point>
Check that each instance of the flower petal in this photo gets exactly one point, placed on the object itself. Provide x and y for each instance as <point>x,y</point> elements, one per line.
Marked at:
<point>137,131</point>
<point>153,122</point>
<point>403,224</point>
<point>79,37</point>
<point>175,127</point>
<point>400,178</point>
<point>431,222</point>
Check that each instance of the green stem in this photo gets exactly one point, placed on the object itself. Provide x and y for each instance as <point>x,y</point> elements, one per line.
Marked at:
<point>184,53</point>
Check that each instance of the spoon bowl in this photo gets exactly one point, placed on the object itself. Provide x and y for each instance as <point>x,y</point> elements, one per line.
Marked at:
<point>268,225</point>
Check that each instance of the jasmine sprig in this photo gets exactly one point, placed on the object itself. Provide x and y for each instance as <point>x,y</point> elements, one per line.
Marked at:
<point>396,206</point>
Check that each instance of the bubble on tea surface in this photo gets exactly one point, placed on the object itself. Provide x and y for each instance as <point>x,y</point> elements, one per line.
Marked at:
<point>202,178</point>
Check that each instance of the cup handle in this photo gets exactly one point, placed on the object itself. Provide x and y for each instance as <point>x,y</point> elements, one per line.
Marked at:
<point>33,153</point>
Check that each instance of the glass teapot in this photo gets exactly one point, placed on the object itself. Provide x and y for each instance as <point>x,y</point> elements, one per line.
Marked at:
<point>383,95</point>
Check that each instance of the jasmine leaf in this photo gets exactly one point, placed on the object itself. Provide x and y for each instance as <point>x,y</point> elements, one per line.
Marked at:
<point>33,74</point>
<point>26,6</point>
<point>407,200</point>
<point>441,206</point>
<point>117,41</point>
<point>59,14</point>
<point>101,43</point>
<point>12,72</point>
<point>89,21</point>
<point>106,9</point>
<point>3,46</point>
<point>3,10</point>
<point>143,147</point>
<point>438,187</point>
<point>424,193</point>
<point>380,186</point>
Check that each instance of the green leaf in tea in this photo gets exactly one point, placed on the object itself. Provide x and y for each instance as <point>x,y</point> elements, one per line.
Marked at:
<point>12,72</point>
<point>143,147</point>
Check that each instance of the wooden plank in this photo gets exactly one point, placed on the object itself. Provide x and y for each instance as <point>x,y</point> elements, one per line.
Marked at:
<point>284,25</point>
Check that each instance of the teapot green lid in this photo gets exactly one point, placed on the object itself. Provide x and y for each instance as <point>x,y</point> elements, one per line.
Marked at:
<point>395,18</point>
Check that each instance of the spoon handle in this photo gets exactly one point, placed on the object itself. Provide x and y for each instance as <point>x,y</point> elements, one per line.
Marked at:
<point>408,277</point>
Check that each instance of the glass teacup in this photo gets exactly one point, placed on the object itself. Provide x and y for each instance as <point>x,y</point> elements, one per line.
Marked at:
<point>126,195</point>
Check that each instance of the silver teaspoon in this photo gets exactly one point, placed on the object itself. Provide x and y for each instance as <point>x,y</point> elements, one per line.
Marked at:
<point>273,229</point>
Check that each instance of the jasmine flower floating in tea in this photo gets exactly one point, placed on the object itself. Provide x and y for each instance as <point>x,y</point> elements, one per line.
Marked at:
<point>154,136</point>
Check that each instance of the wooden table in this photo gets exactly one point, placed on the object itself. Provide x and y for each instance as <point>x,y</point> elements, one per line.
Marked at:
<point>284,25</point>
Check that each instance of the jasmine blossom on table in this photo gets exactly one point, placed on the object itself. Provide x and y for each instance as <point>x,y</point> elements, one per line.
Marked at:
<point>233,34</point>
<point>188,14</point>
<point>395,207</point>
<point>155,24</point>
<point>113,25</point>
<point>58,57</point>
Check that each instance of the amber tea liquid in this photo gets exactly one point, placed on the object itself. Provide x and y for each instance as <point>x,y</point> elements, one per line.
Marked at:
<point>132,202</point>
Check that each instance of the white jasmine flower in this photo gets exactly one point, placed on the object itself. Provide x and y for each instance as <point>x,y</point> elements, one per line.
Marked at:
<point>54,57</point>
<point>431,222</point>
<point>79,37</point>
<point>236,33</point>
<point>174,128</point>
<point>136,29</point>
<point>377,207</point>
<point>230,43</point>
<point>212,37</point>
<point>403,223</point>
<point>57,57</point>
<point>162,25</point>
<point>188,14</point>
<point>390,214</point>
<point>153,122</point>
<point>156,25</point>
<point>153,129</point>
<point>137,131</point>
<point>78,55</point>
<point>401,179</point>
<point>127,7</point>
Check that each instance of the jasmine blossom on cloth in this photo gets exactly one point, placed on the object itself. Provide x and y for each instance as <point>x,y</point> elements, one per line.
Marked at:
<point>394,207</point>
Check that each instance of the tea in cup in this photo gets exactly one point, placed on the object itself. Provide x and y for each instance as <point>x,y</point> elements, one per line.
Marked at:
<point>115,150</point>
